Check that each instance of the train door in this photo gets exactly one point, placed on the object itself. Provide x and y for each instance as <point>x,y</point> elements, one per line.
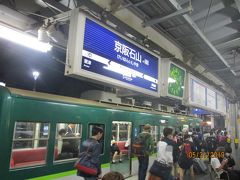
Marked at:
<point>120,154</point>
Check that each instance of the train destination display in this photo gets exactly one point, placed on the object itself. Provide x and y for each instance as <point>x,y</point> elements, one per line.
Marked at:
<point>204,96</point>
<point>106,56</point>
<point>211,99</point>
<point>221,103</point>
<point>198,94</point>
<point>176,86</point>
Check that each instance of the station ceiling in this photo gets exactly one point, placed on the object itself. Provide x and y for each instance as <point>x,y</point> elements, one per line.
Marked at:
<point>208,30</point>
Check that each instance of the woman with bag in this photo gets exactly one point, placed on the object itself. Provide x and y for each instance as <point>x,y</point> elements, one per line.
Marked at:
<point>162,167</point>
<point>88,164</point>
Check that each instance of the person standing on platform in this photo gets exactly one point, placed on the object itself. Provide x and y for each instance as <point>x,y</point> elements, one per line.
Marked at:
<point>211,144</point>
<point>148,145</point>
<point>92,145</point>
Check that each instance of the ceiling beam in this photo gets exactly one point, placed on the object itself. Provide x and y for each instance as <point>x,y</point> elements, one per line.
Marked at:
<point>185,36</point>
<point>171,28</point>
<point>216,25</point>
<point>199,32</point>
<point>56,5</point>
<point>116,5</point>
<point>226,39</point>
<point>182,2</point>
<point>167,17</point>
<point>238,4</point>
<point>209,28</point>
<point>228,43</point>
<point>229,50</point>
<point>216,7</point>
<point>136,4</point>
<point>226,69</point>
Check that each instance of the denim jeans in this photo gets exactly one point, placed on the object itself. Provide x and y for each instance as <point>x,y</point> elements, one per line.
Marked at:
<point>143,166</point>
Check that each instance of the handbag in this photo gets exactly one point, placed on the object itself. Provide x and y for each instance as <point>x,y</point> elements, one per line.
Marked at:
<point>161,170</point>
<point>84,164</point>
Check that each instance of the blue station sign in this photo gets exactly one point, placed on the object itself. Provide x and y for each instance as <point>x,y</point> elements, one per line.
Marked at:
<point>106,53</point>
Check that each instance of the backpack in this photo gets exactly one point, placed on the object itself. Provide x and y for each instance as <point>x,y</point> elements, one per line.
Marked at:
<point>184,161</point>
<point>197,144</point>
<point>139,145</point>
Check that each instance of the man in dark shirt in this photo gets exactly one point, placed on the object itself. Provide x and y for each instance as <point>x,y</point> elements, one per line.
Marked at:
<point>144,159</point>
<point>91,145</point>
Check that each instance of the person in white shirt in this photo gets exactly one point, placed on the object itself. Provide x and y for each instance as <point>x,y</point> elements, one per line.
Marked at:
<point>225,170</point>
<point>164,156</point>
<point>217,165</point>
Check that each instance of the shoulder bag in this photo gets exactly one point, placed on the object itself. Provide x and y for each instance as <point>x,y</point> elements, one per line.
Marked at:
<point>85,165</point>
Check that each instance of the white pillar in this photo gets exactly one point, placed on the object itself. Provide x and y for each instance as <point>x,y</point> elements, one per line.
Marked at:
<point>212,122</point>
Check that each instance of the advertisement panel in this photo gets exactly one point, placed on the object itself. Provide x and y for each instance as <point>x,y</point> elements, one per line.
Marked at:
<point>176,81</point>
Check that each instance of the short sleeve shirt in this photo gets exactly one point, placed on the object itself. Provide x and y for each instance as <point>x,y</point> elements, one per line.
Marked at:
<point>215,163</point>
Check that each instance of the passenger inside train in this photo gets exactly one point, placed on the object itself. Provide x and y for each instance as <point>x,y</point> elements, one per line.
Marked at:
<point>115,152</point>
<point>68,142</point>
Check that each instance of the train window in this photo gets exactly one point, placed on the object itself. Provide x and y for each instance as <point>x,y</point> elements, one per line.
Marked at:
<point>68,140</point>
<point>123,132</point>
<point>30,142</point>
<point>101,141</point>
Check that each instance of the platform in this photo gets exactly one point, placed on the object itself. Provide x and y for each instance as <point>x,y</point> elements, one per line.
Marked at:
<point>135,170</point>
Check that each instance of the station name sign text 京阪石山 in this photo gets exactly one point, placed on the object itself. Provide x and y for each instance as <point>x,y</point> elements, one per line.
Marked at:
<point>106,56</point>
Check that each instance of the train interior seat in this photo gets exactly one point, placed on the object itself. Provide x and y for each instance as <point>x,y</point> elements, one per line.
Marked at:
<point>29,157</point>
<point>122,148</point>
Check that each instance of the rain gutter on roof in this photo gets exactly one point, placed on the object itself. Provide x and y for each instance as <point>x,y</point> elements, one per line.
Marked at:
<point>199,32</point>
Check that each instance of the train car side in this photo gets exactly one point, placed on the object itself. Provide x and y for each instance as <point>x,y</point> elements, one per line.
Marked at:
<point>17,107</point>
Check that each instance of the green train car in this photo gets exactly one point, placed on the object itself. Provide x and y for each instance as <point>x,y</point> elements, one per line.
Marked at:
<point>41,133</point>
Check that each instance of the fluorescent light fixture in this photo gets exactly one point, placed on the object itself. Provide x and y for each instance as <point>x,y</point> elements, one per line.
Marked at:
<point>145,114</point>
<point>166,116</point>
<point>171,80</point>
<point>2,84</point>
<point>23,39</point>
<point>209,122</point>
<point>35,74</point>
<point>114,110</point>
<point>163,121</point>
